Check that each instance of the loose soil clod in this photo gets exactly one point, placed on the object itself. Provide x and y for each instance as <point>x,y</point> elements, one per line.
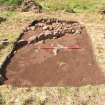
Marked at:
<point>40,64</point>
<point>3,43</point>
<point>30,5</point>
<point>1,79</point>
<point>2,19</point>
<point>102,11</point>
<point>21,43</point>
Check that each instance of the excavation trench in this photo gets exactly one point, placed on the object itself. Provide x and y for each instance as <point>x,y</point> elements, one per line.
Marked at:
<point>53,52</point>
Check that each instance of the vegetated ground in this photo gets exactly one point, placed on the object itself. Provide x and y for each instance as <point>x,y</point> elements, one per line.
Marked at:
<point>89,95</point>
<point>72,5</point>
<point>64,5</point>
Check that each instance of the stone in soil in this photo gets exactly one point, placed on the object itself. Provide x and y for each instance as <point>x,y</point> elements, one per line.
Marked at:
<point>32,28</point>
<point>53,28</point>
<point>45,27</point>
<point>102,11</point>
<point>30,5</point>
<point>32,40</point>
<point>4,42</point>
<point>1,79</point>
<point>21,43</point>
<point>2,19</point>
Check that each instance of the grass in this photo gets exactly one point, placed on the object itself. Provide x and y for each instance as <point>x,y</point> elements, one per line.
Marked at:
<point>2,102</point>
<point>86,95</point>
<point>64,5</point>
<point>11,2</point>
<point>68,5</point>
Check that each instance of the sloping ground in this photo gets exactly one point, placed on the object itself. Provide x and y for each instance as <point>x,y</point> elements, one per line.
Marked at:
<point>11,30</point>
<point>98,37</point>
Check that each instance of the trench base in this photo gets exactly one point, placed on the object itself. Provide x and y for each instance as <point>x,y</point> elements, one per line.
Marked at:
<point>38,65</point>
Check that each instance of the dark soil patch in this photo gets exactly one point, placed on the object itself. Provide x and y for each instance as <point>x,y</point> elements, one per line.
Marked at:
<point>49,59</point>
<point>101,11</point>
<point>30,5</point>
<point>2,19</point>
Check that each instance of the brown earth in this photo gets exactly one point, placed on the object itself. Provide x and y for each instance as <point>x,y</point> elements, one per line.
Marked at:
<point>41,64</point>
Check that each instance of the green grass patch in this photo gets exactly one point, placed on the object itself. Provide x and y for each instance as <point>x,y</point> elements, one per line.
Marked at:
<point>64,5</point>
<point>2,102</point>
<point>68,5</point>
<point>11,2</point>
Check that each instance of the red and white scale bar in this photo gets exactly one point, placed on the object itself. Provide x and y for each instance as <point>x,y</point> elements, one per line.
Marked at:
<point>57,47</point>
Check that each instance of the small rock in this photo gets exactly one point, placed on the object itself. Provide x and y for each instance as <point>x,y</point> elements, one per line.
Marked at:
<point>44,20</point>
<point>49,21</point>
<point>32,28</point>
<point>40,24</point>
<point>5,39</point>
<point>32,40</point>
<point>30,5</point>
<point>4,42</point>
<point>14,52</point>
<point>1,79</point>
<point>51,28</point>
<point>77,32</point>
<point>45,27</point>
<point>62,33</point>
<point>28,28</point>
<point>21,43</point>
<point>55,33</point>
<point>75,24</point>
<point>72,31</point>
<point>48,33</point>
<point>2,19</point>
<point>102,11</point>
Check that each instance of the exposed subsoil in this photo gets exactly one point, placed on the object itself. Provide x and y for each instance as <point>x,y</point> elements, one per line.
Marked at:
<point>47,55</point>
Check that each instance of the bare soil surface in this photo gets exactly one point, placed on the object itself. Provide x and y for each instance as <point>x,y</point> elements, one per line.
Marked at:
<point>54,56</point>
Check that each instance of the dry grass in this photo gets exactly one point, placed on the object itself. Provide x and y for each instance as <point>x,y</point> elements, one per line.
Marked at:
<point>87,95</point>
